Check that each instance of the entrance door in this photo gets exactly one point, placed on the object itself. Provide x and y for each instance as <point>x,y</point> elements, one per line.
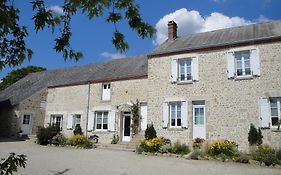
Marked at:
<point>199,126</point>
<point>26,126</point>
<point>126,127</point>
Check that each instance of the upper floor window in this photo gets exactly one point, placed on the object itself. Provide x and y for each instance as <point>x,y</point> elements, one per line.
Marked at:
<point>56,120</point>
<point>102,120</point>
<point>243,63</point>
<point>275,106</point>
<point>184,70</point>
<point>106,93</point>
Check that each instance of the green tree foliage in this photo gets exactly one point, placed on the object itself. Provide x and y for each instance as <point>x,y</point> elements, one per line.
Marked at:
<point>136,117</point>
<point>11,164</point>
<point>150,132</point>
<point>16,75</point>
<point>12,34</point>
<point>254,136</point>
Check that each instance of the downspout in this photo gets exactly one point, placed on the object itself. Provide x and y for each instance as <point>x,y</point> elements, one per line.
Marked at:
<point>88,107</point>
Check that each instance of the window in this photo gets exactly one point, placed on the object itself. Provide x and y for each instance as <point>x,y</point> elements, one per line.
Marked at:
<point>275,106</point>
<point>76,120</point>
<point>56,120</point>
<point>185,70</point>
<point>243,64</point>
<point>175,114</point>
<point>106,92</point>
<point>198,114</point>
<point>101,120</point>
<point>26,119</point>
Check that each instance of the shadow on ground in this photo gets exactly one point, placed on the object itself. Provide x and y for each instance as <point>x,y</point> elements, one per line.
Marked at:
<point>60,172</point>
<point>18,139</point>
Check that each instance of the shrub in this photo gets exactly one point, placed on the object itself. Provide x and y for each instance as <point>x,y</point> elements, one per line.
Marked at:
<point>225,147</point>
<point>139,149</point>
<point>254,136</point>
<point>80,141</point>
<point>197,143</point>
<point>151,145</point>
<point>115,139</point>
<point>11,164</point>
<point>150,132</point>
<point>166,141</point>
<point>179,148</point>
<point>78,130</point>
<point>167,148</point>
<point>59,140</point>
<point>196,154</point>
<point>242,158</point>
<point>94,138</point>
<point>45,135</point>
<point>265,154</point>
<point>278,154</point>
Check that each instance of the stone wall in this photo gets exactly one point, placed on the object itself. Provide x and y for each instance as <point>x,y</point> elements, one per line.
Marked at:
<point>231,105</point>
<point>74,100</point>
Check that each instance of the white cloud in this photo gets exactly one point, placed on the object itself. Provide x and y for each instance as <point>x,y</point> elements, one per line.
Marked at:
<point>56,9</point>
<point>262,18</point>
<point>193,22</point>
<point>112,55</point>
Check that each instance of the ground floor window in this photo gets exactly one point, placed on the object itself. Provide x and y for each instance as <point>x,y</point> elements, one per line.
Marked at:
<point>26,119</point>
<point>175,114</point>
<point>275,106</point>
<point>76,120</point>
<point>56,120</point>
<point>102,120</point>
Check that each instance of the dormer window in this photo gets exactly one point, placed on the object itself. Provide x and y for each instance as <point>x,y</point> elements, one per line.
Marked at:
<point>106,93</point>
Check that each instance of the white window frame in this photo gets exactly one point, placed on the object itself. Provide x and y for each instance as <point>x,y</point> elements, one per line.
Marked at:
<point>108,87</point>
<point>54,118</point>
<point>278,112</point>
<point>199,106</point>
<point>185,60</point>
<point>177,103</point>
<point>75,116</point>
<point>243,64</point>
<point>102,120</point>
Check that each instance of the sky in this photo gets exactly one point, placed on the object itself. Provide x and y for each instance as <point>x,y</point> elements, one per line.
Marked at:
<point>93,37</point>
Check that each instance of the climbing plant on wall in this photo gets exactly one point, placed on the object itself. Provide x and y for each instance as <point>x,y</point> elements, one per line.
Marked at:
<point>135,117</point>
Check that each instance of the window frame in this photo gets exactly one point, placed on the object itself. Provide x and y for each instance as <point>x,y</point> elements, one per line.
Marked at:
<point>185,60</point>
<point>102,120</point>
<point>108,87</point>
<point>194,116</point>
<point>278,106</point>
<point>177,103</point>
<point>243,65</point>
<point>74,123</point>
<point>24,121</point>
<point>53,122</point>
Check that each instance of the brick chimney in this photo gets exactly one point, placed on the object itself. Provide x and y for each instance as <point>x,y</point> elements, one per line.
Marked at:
<point>172,30</point>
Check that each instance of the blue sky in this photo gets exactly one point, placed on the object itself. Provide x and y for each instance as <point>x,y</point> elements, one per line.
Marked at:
<point>93,37</point>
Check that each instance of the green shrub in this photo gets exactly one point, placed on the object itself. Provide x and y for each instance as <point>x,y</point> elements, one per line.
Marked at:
<point>45,135</point>
<point>179,148</point>
<point>151,145</point>
<point>150,132</point>
<point>78,130</point>
<point>278,154</point>
<point>254,136</point>
<point>139,149</point>
<point>218,147</point>
<point>166,141</point>
<point>265,154</point>
<point>80,141</point>
<point>59,140</point>
<point>167,148</point>
<point>242,158</point>
<point>11,164</point>
<point>115,139</point>
<point>196,154</point>
<point>197,143</point>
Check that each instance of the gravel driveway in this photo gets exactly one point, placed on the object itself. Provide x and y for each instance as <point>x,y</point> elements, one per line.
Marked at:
<point>44,160</point>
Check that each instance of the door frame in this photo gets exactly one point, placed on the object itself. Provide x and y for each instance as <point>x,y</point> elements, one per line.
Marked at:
<point>30,124</point>
<point>126,138</point>
<point>193,119</point>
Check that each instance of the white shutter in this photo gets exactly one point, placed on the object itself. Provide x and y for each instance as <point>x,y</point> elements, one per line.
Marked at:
<point>143,110</point>
<point>184,114</point>
<point>91,117</point>
<point>264,105</point>
<point>230,60</point>
<point>195,69</point>
<point>255,62</point>
<point>165,115</point>
<point>174,71</point>
<point>69,121</point>
<point>111,120</point>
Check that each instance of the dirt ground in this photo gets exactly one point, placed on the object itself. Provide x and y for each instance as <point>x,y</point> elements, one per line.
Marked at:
<point>45,160</point>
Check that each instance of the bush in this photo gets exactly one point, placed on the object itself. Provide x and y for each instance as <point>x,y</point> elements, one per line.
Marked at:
<point>45,135</point>
<point>196,154</point>
<point>254,136</point>
<point>115,139</point>
<point>265,154</point>
<point>151,145</point>
<point>242,158</point>
<point>78,130</point>
<point>167,148</point>
<point>166,141</point>
<point>59,140</point>
<point>278,154</point>
<point>218,147</point>
<point>197,143</point>
<point>80,141</point>
<point>150,132</point>
<point>94,138</point>
<point>179,148</point>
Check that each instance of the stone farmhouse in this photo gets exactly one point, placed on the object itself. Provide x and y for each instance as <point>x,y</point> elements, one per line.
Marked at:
<point>209,85</point>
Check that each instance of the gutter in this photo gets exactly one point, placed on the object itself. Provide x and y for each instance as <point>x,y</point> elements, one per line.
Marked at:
<point>88,107</point>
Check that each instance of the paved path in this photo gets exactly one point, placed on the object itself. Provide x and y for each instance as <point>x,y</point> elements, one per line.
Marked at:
<point>43,160</point>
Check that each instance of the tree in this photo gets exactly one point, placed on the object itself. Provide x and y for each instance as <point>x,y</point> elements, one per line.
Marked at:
<point>17,74</point>
<point>254,136</point>
<point>12,34</point>
<point>11,164</point>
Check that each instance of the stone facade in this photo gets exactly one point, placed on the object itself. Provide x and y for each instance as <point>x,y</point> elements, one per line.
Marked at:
<point>74,100</point>
<point>231,105</point>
